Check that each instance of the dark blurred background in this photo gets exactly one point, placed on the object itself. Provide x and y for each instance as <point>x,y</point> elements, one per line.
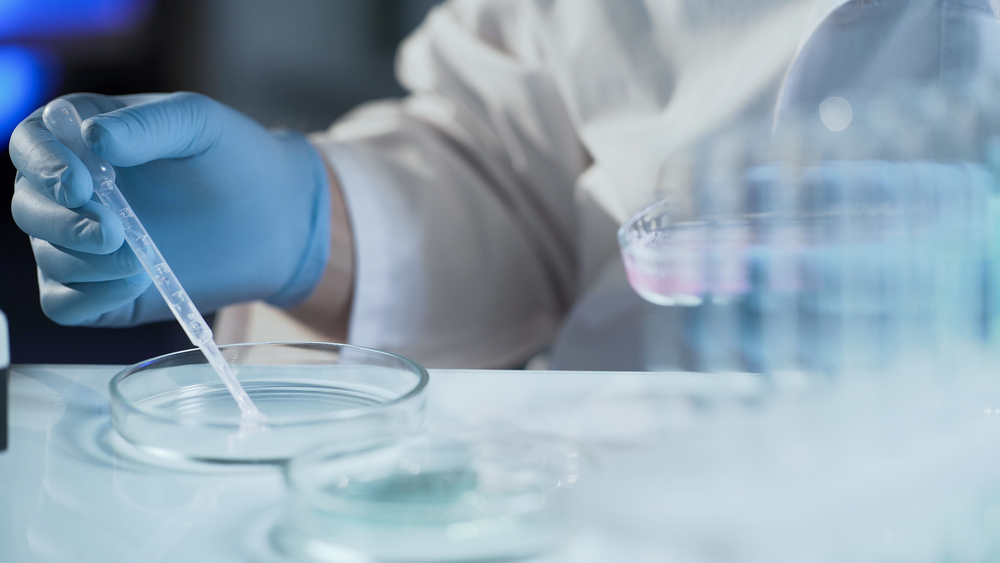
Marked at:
<point>288,63</point>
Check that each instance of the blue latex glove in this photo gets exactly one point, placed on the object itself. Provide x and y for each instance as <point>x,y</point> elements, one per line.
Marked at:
<point>239,212</point>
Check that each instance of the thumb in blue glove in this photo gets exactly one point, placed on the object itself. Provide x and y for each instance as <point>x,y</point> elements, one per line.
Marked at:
<point>240,213</point>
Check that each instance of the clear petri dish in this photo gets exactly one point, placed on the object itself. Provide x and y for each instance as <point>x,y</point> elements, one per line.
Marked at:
<point>434,497</point>
<point>310,392</point>
<point>664,259</point>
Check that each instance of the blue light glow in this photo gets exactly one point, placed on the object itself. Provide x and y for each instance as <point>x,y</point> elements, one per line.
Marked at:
<point>24,75</point>
<point>28,75</point>
<point>58,18</point>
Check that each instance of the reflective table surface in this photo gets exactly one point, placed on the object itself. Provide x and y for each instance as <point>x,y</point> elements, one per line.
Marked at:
<point>71,489</point>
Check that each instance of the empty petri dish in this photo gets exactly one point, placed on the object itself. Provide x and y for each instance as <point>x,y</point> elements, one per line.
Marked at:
<point>310,393</point>
<point>433,497</point>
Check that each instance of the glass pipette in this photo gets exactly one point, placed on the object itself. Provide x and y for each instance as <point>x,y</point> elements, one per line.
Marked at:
<point>63,121</point>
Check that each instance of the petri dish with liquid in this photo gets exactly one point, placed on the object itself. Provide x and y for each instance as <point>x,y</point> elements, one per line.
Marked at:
<point>434,497</point>
<point>311,393</point>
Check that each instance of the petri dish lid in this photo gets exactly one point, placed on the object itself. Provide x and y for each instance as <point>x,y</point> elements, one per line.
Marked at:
<point>439,496</point>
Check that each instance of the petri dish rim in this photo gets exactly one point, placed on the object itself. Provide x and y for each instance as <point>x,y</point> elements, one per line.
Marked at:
<point>222,422</point>
<point>661,209</point>
<point>628,247</point>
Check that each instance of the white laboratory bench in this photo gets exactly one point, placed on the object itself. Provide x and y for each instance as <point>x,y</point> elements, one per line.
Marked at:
<point>72,490</point>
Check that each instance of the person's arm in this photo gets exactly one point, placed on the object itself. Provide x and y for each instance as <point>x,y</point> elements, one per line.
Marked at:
<point>461,231</point>
<point>460,196</point>
<point>328,309</point>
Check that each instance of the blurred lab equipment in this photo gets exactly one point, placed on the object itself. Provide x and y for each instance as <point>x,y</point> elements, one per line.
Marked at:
<point>859,238</point>
<point>63,121</point>
<point>205,209</point>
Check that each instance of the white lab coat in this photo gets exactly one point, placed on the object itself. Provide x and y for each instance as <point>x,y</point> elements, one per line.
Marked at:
<point>484,205</point>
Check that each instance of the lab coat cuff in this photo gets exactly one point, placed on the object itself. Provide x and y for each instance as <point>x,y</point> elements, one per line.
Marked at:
<point>373,251</point>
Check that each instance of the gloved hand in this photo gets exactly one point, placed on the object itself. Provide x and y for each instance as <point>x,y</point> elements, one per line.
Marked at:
<point>239,212</point>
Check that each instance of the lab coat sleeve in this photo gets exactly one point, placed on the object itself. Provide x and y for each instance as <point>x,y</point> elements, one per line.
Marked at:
<point>461,194</point>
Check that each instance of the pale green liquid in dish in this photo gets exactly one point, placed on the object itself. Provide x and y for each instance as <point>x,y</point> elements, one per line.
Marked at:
<point>440,487</point>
